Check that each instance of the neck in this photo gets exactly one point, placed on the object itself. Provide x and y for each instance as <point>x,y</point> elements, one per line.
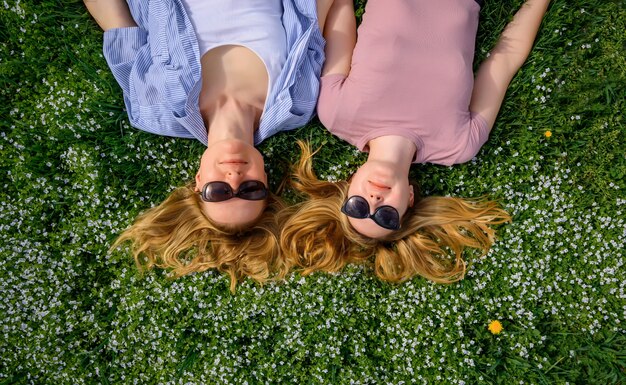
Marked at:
<point>228,118</point>
<point>397,151</point>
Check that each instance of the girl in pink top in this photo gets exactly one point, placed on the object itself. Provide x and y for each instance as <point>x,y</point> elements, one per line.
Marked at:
<point>405,92</point>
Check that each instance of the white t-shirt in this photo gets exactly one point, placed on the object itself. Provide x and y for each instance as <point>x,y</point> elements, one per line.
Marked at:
<point>254,24</point>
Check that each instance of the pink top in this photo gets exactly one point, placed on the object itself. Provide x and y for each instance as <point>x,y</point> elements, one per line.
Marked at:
<point>411,76</point>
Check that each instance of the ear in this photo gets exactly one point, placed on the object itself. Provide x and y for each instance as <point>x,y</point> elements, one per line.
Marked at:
<point>411,195</point>
<point>197,187</point>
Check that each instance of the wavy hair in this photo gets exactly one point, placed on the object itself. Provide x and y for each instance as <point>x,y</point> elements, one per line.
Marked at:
<point>433,236</point>
<point>177,235</point>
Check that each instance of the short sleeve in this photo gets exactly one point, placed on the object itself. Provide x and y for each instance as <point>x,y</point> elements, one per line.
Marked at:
<point>120,49</point>
<point>330,93</point>
<point>478,135</point>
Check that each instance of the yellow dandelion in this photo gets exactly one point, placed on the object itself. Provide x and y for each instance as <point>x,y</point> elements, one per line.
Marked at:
<point>495,327</point>
<point>548,134</point>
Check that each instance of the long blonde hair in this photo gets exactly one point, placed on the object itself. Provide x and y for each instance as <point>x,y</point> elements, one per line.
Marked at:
<point>177,235</point>
<point>433,235</point>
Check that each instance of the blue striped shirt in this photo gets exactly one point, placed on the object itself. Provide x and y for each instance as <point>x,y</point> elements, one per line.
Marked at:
<point>157,65</point>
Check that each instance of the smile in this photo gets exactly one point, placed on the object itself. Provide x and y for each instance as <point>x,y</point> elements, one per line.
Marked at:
<point>379,185</point>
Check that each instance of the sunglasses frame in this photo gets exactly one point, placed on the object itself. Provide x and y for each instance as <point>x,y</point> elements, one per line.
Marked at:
<point>371,216</point>
<point>233,193</point>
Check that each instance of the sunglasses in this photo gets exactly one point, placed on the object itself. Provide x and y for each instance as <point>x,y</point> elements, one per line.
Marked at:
<point>251,190</point>
<point>386,217</point>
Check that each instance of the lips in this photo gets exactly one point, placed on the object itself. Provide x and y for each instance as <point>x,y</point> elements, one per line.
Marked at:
<point>379,185</point>
<point>233,161</point>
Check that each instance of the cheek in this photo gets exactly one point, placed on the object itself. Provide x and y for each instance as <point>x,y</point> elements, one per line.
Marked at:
<point>207,173</point>
<point>258,172</point>
<point>356,182</point>
<point>402,201</point>
<point>354,190</point>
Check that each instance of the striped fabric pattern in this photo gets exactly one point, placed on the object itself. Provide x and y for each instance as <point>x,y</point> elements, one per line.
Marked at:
<point>157,65</point>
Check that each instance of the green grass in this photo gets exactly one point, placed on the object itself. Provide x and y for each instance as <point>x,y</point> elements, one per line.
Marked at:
<point>74,174</point>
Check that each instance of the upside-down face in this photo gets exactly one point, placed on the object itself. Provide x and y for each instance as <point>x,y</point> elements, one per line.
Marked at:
<point>380,185</point>
<point>234,162</point>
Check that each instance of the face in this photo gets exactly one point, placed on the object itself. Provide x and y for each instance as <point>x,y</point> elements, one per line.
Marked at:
<point>381,185</point>
<point>231,161</point>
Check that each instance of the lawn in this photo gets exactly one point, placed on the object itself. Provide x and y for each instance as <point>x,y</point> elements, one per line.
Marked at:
<point>75,174</point>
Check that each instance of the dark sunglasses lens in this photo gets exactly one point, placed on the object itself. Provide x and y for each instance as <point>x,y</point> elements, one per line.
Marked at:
<point>387,217</point>
<point>252,190</point>
<point>356,207</point>
<point>217,192</point>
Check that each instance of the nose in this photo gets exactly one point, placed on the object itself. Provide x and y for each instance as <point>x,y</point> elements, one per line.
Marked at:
<point>234,178</point>
<point>374,199</point>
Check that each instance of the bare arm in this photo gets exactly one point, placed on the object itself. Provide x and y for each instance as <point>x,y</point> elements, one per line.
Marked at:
<point>340,35</point>
<point>509,54</point>
<point>110,13</point>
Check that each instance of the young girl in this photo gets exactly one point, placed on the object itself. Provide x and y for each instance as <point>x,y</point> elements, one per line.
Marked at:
<point>406,94</point>
<point>229,74</point>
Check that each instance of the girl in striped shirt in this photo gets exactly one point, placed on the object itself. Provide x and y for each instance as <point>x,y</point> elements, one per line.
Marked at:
<point>228,74</point>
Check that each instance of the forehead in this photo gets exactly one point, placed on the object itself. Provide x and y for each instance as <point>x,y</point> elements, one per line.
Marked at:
<point>235,211</point>
<point>369,228</point>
